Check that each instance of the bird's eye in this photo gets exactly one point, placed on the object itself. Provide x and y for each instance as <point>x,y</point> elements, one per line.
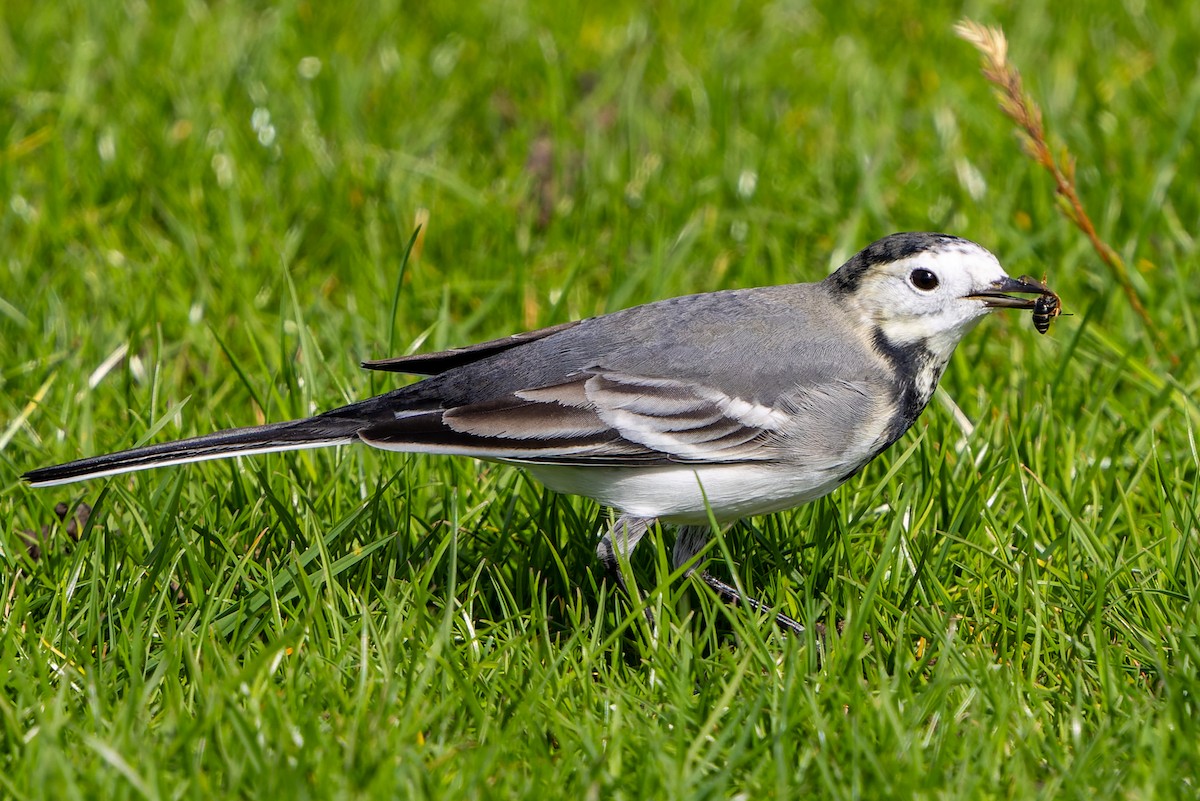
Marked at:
<point>923,280</point>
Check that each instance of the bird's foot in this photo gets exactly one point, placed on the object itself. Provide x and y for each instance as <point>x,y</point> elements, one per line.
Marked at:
<point>730,595</point>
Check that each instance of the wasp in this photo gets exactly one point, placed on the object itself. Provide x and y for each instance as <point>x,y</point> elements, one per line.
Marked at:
<point>1046,307</point>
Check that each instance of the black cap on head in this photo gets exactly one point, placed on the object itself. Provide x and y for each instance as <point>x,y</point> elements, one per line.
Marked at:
<point>891,248</point>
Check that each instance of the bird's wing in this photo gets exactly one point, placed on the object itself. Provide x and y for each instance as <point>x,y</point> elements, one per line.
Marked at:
<point>599,416</point>
<point>435,363</point>
<point>726,377</point>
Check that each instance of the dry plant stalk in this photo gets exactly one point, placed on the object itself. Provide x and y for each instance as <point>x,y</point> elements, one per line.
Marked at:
<point>1021,109</point>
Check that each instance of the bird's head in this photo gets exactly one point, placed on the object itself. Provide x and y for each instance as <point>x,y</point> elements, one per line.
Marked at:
<point>927,290</point>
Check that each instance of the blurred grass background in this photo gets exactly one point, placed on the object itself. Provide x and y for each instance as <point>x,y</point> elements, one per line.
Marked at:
<point>205,212</point>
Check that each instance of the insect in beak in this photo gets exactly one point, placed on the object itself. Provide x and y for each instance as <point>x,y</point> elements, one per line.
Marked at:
<point>994,296</point>
<point>1046,306</point>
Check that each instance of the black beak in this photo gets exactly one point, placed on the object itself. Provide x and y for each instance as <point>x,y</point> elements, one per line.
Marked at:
<point>994,297</point>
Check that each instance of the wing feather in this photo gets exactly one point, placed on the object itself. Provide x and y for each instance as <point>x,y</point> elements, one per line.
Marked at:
<point>615,418</point>
<point>436,363</point>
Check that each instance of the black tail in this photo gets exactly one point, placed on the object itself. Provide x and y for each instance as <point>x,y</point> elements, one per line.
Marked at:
<point>313,432</point>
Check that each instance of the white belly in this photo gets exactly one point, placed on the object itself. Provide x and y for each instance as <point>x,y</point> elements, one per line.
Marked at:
<point>677,494</point>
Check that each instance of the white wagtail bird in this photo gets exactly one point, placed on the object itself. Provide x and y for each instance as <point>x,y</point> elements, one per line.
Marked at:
<point>713,406</point>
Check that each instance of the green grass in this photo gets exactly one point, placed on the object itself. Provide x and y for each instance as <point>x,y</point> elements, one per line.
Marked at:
<point>214,200</point>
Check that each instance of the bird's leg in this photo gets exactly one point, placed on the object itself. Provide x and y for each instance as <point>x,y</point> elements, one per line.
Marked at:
<point>689,542</point>
<point>616,546</point>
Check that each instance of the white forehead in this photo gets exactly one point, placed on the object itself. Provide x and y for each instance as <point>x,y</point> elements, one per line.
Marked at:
<point>955,261</point>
